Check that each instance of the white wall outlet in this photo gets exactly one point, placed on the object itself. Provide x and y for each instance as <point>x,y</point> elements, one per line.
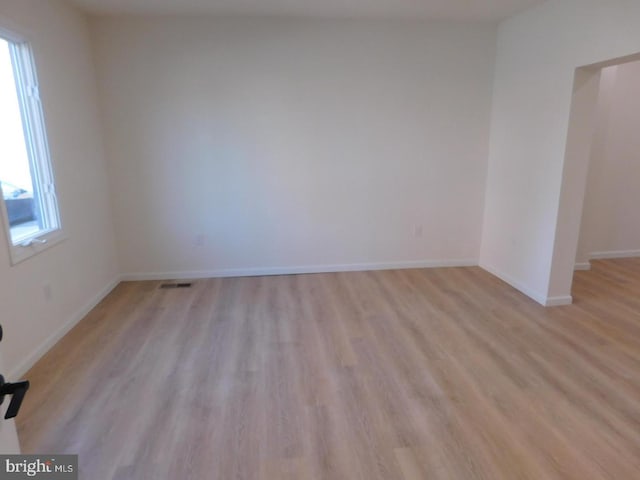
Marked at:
<point>199,240</point>
<point>418,231</point>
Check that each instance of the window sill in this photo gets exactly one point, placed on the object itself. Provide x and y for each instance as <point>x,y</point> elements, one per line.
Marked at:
<point>44,242</point>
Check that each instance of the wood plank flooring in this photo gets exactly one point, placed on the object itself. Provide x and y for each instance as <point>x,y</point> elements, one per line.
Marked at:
<point>408,375</point>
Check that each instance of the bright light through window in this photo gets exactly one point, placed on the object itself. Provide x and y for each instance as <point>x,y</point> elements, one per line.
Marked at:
<point>26,179</point>
<point>15,173</point>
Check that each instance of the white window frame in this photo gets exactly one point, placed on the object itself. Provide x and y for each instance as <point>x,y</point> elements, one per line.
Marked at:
<point>33,125</point>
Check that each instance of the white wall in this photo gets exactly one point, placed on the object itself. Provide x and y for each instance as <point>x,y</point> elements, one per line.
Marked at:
<point>82,267</point>
<point>241,145</point>
<point>534,198</point>
<point>293,145</point>
<point>611,216</point>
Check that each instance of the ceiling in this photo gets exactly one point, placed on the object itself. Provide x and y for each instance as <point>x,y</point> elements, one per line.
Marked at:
<point>423,9</point>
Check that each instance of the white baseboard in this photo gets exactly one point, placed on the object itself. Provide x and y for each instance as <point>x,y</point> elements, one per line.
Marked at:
<point>30,360</point>
<point>582,266</point>
<point>543,300</point>
<point>258,272</point>
<point>558,301</point>
<point>538,297</point>
<point>615,254</point>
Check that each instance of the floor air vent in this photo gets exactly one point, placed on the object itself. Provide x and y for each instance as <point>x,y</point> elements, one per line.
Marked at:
<point>175,285</point>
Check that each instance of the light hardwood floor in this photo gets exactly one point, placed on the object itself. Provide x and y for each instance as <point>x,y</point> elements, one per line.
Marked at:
<point>417,374</point>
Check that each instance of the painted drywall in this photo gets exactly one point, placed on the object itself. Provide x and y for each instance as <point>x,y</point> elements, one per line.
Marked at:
<point>611,215</point>
<point>534,198</point>
<point>241,146</point>
<point>83,267</point>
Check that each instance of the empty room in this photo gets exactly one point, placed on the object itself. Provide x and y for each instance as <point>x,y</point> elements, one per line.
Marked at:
<point>340,240</point>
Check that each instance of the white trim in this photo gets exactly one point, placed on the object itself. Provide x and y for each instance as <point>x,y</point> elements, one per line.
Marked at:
<point>543,300</point>
<point>538,297</point>
<point>558,301</point>
<point>20,253</point>
<point>615,254</point>
<point>23,367</point>
<point>257,272</point>
<point>607,255</point>
<point>39,158</point>
<point>13,31</point>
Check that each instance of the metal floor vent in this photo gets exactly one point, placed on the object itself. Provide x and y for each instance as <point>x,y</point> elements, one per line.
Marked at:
<point>175,285</point>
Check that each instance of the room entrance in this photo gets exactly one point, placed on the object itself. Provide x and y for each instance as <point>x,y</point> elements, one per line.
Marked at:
<point>600,121</point>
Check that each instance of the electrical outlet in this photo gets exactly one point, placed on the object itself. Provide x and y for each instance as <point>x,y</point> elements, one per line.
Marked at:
<point>199,240</point>
<point>418,231</point>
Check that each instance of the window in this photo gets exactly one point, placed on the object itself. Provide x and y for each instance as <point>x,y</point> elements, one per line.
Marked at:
<point>29,205</point>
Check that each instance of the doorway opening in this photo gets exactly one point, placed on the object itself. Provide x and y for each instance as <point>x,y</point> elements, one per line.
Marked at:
<point>610,226</point>
<point>597,218</point>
